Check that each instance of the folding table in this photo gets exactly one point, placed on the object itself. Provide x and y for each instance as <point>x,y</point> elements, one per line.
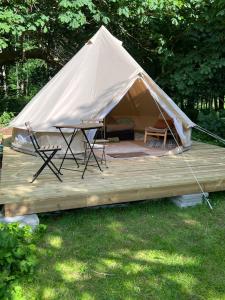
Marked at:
<point>83,127</point>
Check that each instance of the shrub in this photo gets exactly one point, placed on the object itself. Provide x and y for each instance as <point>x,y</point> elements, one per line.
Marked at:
<point>5,118</point>
<point>18,257</point>
<point>192,113</point>
<point>222,113</point>
<point>212,122</point>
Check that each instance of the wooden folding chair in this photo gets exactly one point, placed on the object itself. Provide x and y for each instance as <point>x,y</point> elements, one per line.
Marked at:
<point>45,152</point>
<point>162,128</point>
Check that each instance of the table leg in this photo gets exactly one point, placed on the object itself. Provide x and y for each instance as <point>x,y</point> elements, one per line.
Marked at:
<point>68,147</point>
<point>91,152</point>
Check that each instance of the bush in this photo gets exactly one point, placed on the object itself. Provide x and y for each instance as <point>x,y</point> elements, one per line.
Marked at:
<point>18,257</point>
<point>5,118</point>
<point>212,122</point>
<point>222,113</point>
<point>13,104</point>
<point>192,113</point>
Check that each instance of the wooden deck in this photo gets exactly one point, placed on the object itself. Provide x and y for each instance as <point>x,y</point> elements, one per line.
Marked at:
<point>125,180</point>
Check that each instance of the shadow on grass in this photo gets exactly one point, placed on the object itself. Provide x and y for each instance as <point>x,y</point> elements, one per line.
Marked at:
<point>142,251</point>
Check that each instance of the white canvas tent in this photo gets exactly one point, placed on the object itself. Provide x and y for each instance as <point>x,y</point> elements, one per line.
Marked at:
<point>95,82</point>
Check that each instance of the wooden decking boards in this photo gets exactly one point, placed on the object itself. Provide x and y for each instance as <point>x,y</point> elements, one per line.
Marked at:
<point>125,180</point>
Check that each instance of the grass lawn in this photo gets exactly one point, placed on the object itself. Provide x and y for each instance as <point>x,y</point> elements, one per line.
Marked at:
<point>150,250</point>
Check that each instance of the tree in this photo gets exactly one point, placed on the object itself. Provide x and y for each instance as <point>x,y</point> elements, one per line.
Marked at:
<point>179,43</point>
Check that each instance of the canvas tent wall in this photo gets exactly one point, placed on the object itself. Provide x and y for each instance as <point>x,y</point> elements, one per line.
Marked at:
<point>89,86</point>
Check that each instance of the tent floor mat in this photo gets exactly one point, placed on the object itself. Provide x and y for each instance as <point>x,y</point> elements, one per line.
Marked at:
<point>135,149</point>
<point>127,155</point>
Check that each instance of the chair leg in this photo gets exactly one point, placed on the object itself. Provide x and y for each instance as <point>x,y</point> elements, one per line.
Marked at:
<point>53,165</point>
<point>45,164</point>
<point>103,158</point>
<point>145,138</point>
<point>164,140</point>
<point>85,153</point>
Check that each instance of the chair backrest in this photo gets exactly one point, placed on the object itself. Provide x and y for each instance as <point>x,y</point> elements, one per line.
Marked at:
<point>92,121</point>
<point>32,136</point>
<point>102,130</point>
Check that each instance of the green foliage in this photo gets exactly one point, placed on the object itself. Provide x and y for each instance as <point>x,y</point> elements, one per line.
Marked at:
<point>212,122</point>
<point>192,113</point>
<point>72,13</point>
<point>18,257</point>
<point>5,118</point>
<point>196,62</point>
<point>17,18</point>
<point>179,43</point>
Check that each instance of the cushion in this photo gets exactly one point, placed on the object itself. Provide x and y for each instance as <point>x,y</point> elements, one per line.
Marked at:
<point>118,127</point>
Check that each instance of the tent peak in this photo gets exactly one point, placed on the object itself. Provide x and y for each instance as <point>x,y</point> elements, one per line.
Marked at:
<point>102,28</point>
<point>103,32</point>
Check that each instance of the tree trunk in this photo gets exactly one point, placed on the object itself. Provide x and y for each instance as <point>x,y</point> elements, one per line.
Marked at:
<point>216,104</point>
<point>4,80</point>
<point>17,81</point>
<point>221,103</point>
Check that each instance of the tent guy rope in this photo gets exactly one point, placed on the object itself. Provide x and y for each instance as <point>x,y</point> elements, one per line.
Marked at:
<point>204,195</point>
<point>215,136</point>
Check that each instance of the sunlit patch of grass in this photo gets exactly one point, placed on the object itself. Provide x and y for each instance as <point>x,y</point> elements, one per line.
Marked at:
<point>49,293</point>
<point>142,251</point>
<point>165,258</point>
<point>55,241</point>
<point>71,270</point>
<point>191,222</point>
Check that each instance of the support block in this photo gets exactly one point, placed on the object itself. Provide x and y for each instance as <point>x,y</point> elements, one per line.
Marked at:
<point>188,200</point>
<point>31,220</point>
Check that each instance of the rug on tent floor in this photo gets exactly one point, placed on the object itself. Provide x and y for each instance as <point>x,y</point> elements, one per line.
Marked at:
<point>132,149</point>
<point>158,143</point>
<point>127,155</point>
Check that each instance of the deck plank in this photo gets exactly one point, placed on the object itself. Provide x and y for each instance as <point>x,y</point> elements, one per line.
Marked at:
<point>125,180</point>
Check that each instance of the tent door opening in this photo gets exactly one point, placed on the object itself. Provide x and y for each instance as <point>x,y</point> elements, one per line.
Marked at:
<point>136,111</point>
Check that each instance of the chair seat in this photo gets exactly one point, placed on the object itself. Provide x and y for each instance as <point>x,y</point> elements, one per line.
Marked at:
<point>97,146</point>
<point>158,130</point>
<point>101,141</point>
<point>49,148</point>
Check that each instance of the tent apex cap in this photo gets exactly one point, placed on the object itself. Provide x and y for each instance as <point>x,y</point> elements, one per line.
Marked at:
<point>103,32</point>
<point>102,27</point>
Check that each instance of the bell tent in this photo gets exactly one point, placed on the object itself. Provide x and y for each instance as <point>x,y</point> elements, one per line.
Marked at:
<point>101,81</point>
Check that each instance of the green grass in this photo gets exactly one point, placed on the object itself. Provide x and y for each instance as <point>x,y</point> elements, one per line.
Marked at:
<point>150,250</point>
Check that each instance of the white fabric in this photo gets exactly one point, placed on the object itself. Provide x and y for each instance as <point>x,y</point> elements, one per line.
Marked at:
<point>25,220</point>
<point>90,85</point>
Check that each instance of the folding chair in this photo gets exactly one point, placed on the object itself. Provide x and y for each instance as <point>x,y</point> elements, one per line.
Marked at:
<point>100,143</point>
<point>161,129</point>
<point>45,152</point>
